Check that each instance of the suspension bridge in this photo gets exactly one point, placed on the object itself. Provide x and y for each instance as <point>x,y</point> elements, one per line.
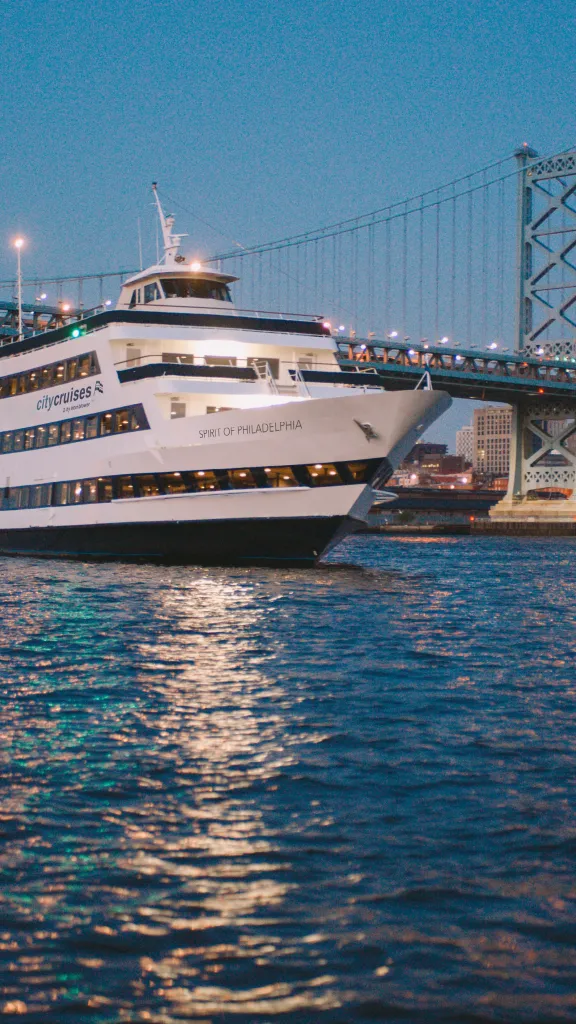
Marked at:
<point>472,283</point>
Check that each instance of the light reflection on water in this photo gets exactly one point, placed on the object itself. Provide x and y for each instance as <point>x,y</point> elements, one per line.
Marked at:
<point>245,794</point>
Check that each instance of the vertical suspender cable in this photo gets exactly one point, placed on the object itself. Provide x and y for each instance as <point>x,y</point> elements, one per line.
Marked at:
<point>469,275</point>
<point>421,271</point>
<point>485,213</point>
<point>453,275</point>
<point>404,269</point>
<point>387,271</point>
<point>437,269</point>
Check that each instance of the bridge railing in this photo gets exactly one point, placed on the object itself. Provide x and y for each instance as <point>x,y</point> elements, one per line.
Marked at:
<point>484,363</point>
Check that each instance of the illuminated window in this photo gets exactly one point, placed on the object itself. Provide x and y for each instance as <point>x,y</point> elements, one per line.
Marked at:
<point>124,487</point>
<point>241,478</point>
<point>281,476</point>
<point>147,486</point>
<point>324,474</point>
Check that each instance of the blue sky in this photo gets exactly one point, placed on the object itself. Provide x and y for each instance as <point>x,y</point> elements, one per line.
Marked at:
<point>262,119</point>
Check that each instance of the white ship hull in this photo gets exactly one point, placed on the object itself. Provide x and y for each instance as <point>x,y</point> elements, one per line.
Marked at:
<point>178,428</point>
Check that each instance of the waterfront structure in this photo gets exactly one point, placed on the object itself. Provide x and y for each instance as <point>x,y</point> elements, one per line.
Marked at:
<point>179,427</point>
<point>465,443</point>
<point>491,428</point>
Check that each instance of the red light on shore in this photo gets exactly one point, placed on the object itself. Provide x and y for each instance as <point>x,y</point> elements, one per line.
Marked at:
<point>540,391</point>
<point>472,518</point>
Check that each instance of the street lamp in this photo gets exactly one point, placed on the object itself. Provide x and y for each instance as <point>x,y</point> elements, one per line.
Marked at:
<point>18,243</point>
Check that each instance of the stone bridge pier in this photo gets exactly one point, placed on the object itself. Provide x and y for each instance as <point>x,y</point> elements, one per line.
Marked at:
<point>542,462</point>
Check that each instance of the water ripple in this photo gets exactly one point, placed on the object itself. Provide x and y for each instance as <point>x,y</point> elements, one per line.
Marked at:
<point>342,794</point>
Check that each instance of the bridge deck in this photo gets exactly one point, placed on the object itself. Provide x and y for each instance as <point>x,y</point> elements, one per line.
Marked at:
<point>487,376</point>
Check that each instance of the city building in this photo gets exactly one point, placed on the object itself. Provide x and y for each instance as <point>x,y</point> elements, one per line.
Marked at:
<point>423,449</point>
<point>492,426</point>
<point>465,443</point>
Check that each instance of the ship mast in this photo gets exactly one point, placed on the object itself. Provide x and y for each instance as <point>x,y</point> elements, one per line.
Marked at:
<point>171,241</point>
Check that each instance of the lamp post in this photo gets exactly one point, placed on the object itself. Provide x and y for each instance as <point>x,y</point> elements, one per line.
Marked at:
<point>18,243</point>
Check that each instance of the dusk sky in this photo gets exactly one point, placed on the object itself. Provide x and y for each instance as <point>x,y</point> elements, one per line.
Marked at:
<point>260,119</point>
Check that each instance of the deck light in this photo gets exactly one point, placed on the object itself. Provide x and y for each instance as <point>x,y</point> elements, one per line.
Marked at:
<point>393,334</point>
<point>66,307</point>
<point>201,472</point>
<point>318,465</point>
<point>195,265</point>
<point>493,344</point>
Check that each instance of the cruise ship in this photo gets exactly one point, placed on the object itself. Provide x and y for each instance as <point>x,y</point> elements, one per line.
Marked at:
<point>178,428</point>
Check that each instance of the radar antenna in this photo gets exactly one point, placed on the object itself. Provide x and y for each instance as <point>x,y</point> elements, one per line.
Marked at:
<point>171,241</point>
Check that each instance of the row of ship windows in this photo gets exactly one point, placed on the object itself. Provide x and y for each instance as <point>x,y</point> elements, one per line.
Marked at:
<point>82,492</point>
<point>65,370</point>
<point>82,428</point>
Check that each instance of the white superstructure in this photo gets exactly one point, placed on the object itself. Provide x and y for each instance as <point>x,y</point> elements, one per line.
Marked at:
<point>177,427</point>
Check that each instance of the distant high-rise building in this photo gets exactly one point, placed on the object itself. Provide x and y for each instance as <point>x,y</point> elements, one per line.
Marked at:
<point>492,427</point>
<point>465,443</point>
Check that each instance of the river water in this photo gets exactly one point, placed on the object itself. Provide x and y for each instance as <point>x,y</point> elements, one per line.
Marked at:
<point>339,795</point>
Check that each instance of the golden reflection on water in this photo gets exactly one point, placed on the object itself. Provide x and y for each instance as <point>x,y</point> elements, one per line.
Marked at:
<point>211,721</point>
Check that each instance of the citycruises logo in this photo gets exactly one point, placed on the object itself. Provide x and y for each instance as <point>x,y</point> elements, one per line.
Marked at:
<point>65,400</point>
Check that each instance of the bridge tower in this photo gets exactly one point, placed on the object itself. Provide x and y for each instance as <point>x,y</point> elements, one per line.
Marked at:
<point>543,442</point>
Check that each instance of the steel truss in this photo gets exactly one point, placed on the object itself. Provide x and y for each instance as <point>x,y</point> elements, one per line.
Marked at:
<point>546,298</point>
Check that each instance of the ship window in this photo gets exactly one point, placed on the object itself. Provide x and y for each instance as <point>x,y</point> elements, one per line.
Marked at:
<point>14,385</point>
<point>205,480</point>
<point>122,421</point>
<point>7,440</point>
<point>105,490</point>
<point>61,494</point>
<point>60,373</point>
<point>35,497</point>
<point>53,434</point>
<point>78,430</point>
<point>23,384</point>
<point>151,292</point>
<point>124,487</point>
<point>33,381</point>
<point>220,361</point>
<point>147,486</point>
<point>76,492</point>
<point>18,440</point>
<point>84,366</point>
<point>90,491</point>
<point>133,299</point>
<point>358,471</point>
<point>41,436</point>
<point>71,369</point>
<point>29,438</point>
<point>47,376</point>
<point>241,478</point>
<point>106,423</point>
<point>186,288</point>
<point>324,474</point>
<point>177,410</point>
<point>65,432</point>
<point>23,497</point>
<point>138,418</point>
<point>178,357</point>
<point>281,476</point>
<point>46,494</point>
<point>218,408</point>
<point>91,427</point>
<point>172,483</point>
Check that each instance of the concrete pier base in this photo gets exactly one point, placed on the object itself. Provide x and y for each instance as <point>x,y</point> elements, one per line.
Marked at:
<point>523,517</point>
